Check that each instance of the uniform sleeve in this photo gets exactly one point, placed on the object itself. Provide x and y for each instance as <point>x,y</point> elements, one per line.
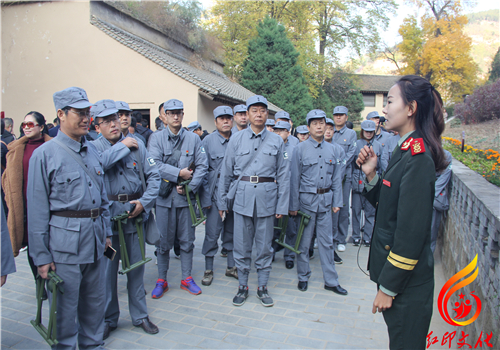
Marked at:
<point>167,171</point>
<point>372,190</point>
<point>113,154</point>
<point>338,175</point>
<point>414,216</point>
<point>106,214</point>
<point>351,151</point>
<point>283,181</point>
<point>295,172</point>
<point>8,263</point>
<point>444,177</point>
<point>152,177</point>
<point>226,174</point>
<point>37,196</point>
<point>204,192</point>
<point>384,159</point>
<point>201,163</point>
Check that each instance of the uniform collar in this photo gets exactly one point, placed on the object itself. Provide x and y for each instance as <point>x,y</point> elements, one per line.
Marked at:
<point>315,143</point>
<point>403,139</point>
<point>341,130</point>
<point>222,139</point>
<point>171,135</point>
<point>68,141</point>
<point>252,134</point>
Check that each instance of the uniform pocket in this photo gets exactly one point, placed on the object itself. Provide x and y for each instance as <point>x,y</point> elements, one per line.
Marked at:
<point>329,164</point>
<point>64,234</point>
<point>384,239</point>
<point>69,186</point>
<point>271,194</point>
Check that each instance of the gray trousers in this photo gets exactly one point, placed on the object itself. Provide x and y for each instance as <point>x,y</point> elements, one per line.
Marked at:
<point>174,222</point>
<point>80,310</point>
<point>214,227</point>
<point>341,219</point>
<point>322,223</point>
<point>359,202</point>
<point>436,222</point>
<point>135,283</point>
<point>246,230</point>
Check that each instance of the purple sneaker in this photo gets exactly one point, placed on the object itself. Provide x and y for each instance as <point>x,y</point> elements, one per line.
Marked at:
<point>189,285</point>
<point>160,289</point>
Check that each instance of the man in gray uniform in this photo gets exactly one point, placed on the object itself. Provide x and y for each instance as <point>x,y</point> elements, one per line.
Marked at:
<point>257,169</point>
<point>69,226</point>
<point>175,150</point>
<point>124,189</point>
<point>283,116</point>
<point>302,133</point>
<point>316,189</point>
<point>240,118</point>
<point>346,138</point>
<point>270,125</point>
<point>283,130</point>
<point>215,146</point>
<point>381,136</point>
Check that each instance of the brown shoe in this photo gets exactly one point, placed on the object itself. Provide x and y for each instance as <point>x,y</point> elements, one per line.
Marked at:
<point>232,272</point>
<point>208,277</point>
<point>148,326</point>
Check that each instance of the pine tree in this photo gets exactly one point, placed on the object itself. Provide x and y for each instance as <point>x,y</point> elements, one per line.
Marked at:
<point>271,70</point>
<point>495,67</point>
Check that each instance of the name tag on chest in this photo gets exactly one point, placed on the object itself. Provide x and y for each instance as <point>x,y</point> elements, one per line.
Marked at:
<point>387,183</point>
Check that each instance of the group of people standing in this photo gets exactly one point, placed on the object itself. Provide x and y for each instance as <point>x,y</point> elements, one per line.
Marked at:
<point>247,178</point>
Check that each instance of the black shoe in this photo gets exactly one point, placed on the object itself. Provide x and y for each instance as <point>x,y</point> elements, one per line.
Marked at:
<point>107,329</point>
<point>366,243</point>
<point>289,264</point>
<point>336,258</point>
<point>302,286</point>
<point>223,252</point>
<point>264,297</point>
<point>337,289</point>
<point>239,299</point>
<point>355,242</point>
<point>148,326</point>
<point>311,254</point>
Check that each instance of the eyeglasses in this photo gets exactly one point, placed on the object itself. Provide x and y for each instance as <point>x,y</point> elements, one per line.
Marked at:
<point>108,121</point>
<point>28,125</point>
<point>83,113</point>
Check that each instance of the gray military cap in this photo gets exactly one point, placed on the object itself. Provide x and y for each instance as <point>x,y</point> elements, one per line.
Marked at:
<point>240,108</point>
<point>329,121</point>
<point>368,125</point>
<point>282,115</point>
<point>340,110</point>
<point>315,114</point>
<point>73,97</point>
<point>122,106</point>
<point>103,108</point>
<point>255,100</point>
<point>282,125</point>
<point>172,105</point>
<point>223,110</point>
<point>302,129</point>
<point>373,114</point>
<point>193,126</point>
<point>270,122</point>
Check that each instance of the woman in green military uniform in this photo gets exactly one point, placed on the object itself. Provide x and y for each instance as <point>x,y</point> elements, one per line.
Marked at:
<point>401,261</point>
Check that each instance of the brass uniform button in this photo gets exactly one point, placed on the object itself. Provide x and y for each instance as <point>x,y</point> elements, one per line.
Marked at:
<point>387,247</point>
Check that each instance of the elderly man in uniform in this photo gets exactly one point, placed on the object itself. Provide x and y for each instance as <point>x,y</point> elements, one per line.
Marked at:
<point>257,168</point>
<point>283,116</point>
<point>270,125</point>
<point>124,189</point>
<point>69,226</point>
<point>316,189</point>
<point>283,130</point>
<point>240,118</point>
<point>215,146</point>
<point>302,133</point>
<point>346,138</point>
<point>175,151</point>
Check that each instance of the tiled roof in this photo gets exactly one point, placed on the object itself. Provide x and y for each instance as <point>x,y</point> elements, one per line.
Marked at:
<point>375,83</point>
<point>217,85</point>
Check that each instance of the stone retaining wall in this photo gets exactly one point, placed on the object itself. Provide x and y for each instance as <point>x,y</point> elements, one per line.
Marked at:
<point>472,227</point>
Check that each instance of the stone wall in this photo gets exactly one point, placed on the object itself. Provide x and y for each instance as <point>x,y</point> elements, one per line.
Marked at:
<point>472,227</point>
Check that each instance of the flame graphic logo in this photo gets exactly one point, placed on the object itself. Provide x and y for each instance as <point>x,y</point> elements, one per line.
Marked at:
<point>462,309</point>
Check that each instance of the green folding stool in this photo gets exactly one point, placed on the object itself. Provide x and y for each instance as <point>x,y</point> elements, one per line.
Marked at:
<point>282,225</point>
<point>195,220</point>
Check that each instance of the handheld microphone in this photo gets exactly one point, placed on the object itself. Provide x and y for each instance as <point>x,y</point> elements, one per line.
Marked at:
<point>382,119</point>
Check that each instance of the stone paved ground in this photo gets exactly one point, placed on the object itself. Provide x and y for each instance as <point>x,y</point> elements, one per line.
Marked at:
<point>316,319</point>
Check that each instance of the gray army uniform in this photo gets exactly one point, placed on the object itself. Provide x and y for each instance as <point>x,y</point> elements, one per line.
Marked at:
<point>346,138</point>
<point>359,202</point>
<point>255,204</point>
<point>441,202</point>
<point>8,263</point>
<point>122,178</point>
<point>172,212</point>
<point>315,168</point>
<point>291,229</point>
<point>382,138</point>
<point>215,146</point>
<point>293,141</point>
<point>390,145</point>
<point>56,182</point>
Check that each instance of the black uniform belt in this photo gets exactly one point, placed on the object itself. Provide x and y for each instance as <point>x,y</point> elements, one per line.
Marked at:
<point>92,213</point>
<point>124,198</point>
<point>255,179</point>
<point>322,190</point>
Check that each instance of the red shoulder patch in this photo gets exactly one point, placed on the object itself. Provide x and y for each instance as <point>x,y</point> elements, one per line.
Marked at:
<point>406,144</point>
<point>417,146</point>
